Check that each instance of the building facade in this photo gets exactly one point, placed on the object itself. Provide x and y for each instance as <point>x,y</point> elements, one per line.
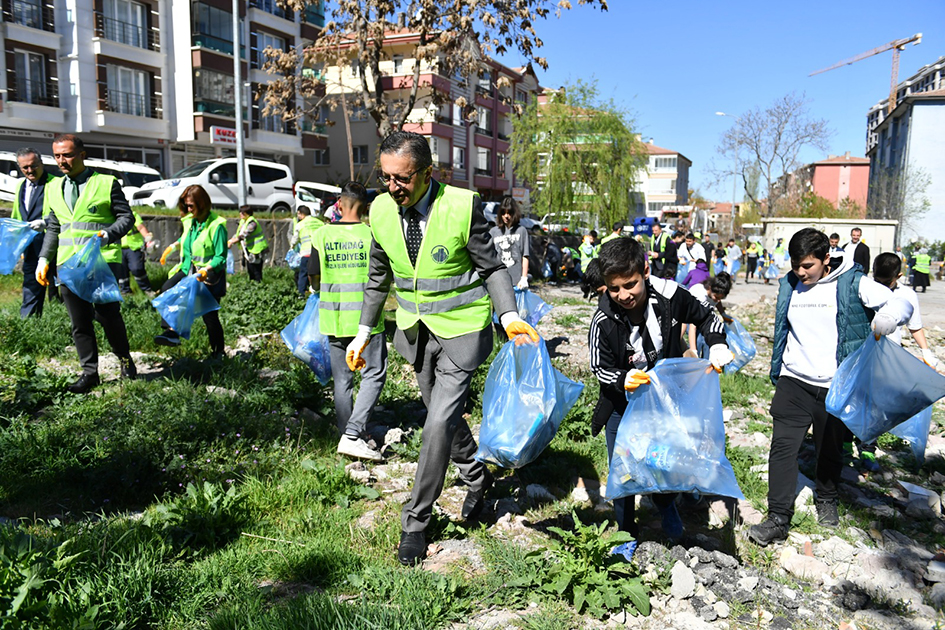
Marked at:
<point>665,182</point>
<point>469,144</point>
<point>841,177</point>
<point>144,80</point>
<point>929,78</point>
<point>908,165</point>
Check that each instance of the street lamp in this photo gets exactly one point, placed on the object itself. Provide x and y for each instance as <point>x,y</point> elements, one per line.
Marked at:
<point>734,173</point>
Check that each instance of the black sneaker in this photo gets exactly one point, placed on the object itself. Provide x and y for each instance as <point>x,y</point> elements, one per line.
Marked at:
<point>84,384</point>
<point>128,369</point>
<point>773,529</point>
<point>827,515</point>
<point>413,546</point>
<point>168,338</point>
<point>475,499</point>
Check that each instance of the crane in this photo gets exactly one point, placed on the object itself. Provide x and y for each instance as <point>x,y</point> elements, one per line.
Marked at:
<point>896,46</point>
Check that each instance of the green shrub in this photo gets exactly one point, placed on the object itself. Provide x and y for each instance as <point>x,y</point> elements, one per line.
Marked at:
<point>205,517</point>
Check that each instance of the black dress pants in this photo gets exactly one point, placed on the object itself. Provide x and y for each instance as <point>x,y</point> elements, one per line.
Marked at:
<point>82,315</point>
<point>795,406</point>
<point>211,319</point>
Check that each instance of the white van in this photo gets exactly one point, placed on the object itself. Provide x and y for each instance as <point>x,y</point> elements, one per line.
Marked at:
<point>131,175</point>
<point>268,185</point>
<point>316,197</point>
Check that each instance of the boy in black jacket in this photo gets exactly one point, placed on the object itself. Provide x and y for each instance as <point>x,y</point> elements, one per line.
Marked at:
<point>638,322</point>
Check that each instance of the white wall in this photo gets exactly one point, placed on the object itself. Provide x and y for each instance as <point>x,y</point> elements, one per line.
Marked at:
<point>926,151</point>
<point>878,235</point>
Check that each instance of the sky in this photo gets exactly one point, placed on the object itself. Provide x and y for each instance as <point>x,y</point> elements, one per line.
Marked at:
<point>672,65</point>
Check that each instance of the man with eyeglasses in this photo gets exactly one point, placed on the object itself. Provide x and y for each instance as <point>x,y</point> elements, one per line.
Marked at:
<point>86,204</point>
<point>30,204</point>
<point>432,242</point>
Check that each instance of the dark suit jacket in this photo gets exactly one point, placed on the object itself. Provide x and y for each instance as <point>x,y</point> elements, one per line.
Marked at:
<point>467,351</point>
<point>34,211</point>
<point>861,254</point>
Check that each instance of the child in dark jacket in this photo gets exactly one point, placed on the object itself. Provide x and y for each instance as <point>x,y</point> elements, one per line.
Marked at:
<point>637,323</point>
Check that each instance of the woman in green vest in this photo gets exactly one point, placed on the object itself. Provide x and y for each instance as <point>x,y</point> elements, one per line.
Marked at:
<point>203,252</point>
<point>921,267</point>
<point>249,234</point>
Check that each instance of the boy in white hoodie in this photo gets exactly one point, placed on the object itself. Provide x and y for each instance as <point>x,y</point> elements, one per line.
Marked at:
<point>822,316</point>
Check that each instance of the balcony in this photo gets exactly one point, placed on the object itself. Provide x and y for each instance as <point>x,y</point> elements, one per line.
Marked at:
<point>484,91</point>
<point>132,103</point>
<point>130,112</point>
<point>484,132</point>
<point>502,136</point>
<point>30,14</point>
<point>218,44</point>
<point>484,172</point>
<point>204,106</point>
<point>45,93</point>
<point>308,126</point>
<point>273,8</point>
<point>127,33</point>
<point>314,15</point>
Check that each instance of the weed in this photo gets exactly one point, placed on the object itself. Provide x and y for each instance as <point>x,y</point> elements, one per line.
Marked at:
<point>333,485</point>
<point>205,517</point>
<point>568,321</point>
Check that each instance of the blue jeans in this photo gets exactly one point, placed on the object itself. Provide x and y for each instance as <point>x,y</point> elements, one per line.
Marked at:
<point>625,508</point>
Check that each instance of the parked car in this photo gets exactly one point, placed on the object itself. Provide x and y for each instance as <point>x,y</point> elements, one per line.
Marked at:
<point>574,222</point>
<point>318,198</point>
<point>268,185</point>
<point>528,222</point>
<point>131,175</point>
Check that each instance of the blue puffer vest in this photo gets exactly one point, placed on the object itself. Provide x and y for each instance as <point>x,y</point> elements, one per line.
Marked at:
<point>853,319</point>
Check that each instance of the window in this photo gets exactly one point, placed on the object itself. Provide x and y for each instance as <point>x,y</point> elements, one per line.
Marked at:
<point>30,78</point>
<point>213,28</point>
<point>273,123</point>
<point>663,186</point>
<point>226,173</point>
<point>484,85</point>
<point>322,157</point>
<point>265,174</point>
<point>125,22</point>
<point>664,163</point>
<point>358,113</point>
<point>355,69</point>
<point>213,92</point>
<point>360,153</point>
<point>265,40</point>
<point>434,147</point>
<point>398,64</point>
<point>521,96</point>
<point>485,119</point>
<point>28,13</point>
<point>483,161</point>
<point>500,164</point>
<point>656,206</point>
<point>457,115</point>
<point>272,6</point>
<point>459,158</point>
<point>129,91</point>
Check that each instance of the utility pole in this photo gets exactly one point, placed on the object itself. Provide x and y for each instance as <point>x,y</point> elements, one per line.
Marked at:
<point>238,103</point>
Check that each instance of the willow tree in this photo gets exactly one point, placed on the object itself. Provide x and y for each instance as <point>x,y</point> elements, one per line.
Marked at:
<point>578,153</point>
<point>451,35</point>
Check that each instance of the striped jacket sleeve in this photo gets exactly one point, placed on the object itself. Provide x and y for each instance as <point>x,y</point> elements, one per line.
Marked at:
<point>604,358</point>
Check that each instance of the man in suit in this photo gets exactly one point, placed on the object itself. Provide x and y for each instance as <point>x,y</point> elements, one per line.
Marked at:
<point>86,204</point>
<point>29,204</point>
<point>432,241</point>
<point>859,249</point>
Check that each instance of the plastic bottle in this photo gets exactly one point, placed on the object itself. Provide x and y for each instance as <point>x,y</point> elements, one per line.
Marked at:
<point>673,466</point>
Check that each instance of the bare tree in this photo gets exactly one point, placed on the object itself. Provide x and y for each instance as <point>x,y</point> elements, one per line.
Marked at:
<point>899,194</point>
<point>770,139</point>
<point>450,35</point>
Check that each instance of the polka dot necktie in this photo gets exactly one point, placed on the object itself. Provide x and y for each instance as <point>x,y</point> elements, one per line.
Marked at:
<point>414,235</point>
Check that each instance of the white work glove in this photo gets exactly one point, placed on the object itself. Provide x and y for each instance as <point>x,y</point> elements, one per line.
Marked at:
<point>884,324</point>
<point>356,347</point>
<point>42,270</point>
<point>634,379</point>
<point>522,283</point>
<point>929,358</point>
<point>720,356</point>
<point>38,225</point>
<point>102,234</point>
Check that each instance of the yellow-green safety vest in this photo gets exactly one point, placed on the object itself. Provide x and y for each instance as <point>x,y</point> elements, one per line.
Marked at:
<point>443,290</point>
<point>609,238</point>
<point>304,230</point>
<point>185,226</point>
<point>133,239</point>
<point>92,213</point>
<point>201,248</point>
<point>923,263</point>
<point>47,209</point>
<point>256,241</point>
<point>343,252</point>
<point>658,243</point>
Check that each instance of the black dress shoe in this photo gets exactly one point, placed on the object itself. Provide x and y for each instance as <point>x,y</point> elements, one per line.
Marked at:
<point>413,546</point>
<point>128,369</point>
<point>84,384</point>
<point>475,499</point>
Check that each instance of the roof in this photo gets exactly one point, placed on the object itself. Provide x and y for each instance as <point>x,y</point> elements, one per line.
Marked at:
<point>721,208</point>
<point>843,159</point>
<point>652,149</point>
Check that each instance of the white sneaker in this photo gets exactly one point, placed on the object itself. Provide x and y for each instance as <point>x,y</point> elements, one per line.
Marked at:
<point>358,448</point>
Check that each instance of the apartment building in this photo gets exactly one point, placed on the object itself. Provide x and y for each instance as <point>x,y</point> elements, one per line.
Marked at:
<point>144,80</point>
<point>665,182</point>
<point>469,145</point>
<point>929,78</point>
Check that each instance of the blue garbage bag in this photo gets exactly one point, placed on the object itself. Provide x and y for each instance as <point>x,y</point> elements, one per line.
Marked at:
<point>230,263</point>
<point>771,271</point>
<point>671,438</point>
<point>307,343</point>
<point>530,307</point>
<point>879,386</point>
<point>719,266</point>
<point>88,275</point>
<point>15,237</point>
<point>682,271</point>
<point>293,258</point>
<point>185,302</point>
<point>915,431</point>
<point>524,402</point>
<point>546,272</point>
<point>736,265</point>
<point>741,344</point>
